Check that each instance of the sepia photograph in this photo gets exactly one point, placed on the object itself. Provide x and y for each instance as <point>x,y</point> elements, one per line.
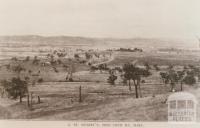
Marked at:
<point>100,61</point>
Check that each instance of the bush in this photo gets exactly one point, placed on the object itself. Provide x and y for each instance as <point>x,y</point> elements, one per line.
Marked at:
<point>27,58</point>
<point>40,80</point>
<point>76,56</point>
<point>71,80</point>
<point>26,78</point>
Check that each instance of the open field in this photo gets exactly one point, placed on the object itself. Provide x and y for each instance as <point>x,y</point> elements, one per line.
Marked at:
<point>157,58</point>
<point>59,101</point>
<point>60,97</point>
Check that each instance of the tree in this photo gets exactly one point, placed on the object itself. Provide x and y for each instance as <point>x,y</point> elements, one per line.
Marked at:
<point>147,66</point>
<point>88,56</point>
<point>14,58</point>
<point>36,60</point>
<point>18,69</point>
<point>59,61</point>
<point>103,67</point>
<point>100,67</point>
<point>191,73</point>
<point>118,69</point>
<point>187,76</point>
<point>196,72</point>
<point>189,79</point>
<point>173,79</point>
<point>181,78</point>
<point>111,79</point>
<point>70,72</point>
<point>27,79</point>
<point>156,67</point>
<point>15,88</point>
<point>29,71</point>
<point>124,80</point>
<point>93,68</point>
<point>165,77</point>
<point>134,73</point>
<point>142,73</point>
<point>127,68</point>
<point>55,69</point>
<point>76,56</point>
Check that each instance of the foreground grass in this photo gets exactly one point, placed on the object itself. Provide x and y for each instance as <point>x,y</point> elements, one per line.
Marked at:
<point>101,101</point>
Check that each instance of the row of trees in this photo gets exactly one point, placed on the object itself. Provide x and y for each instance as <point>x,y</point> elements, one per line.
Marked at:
<point>100,67</point>
<point>133,74</point>
<point>130,50</point>
<point>185,76</point>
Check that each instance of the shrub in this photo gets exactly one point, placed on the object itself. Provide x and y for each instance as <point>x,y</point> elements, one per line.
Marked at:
<point>40,80</point>
<point>71,80</point>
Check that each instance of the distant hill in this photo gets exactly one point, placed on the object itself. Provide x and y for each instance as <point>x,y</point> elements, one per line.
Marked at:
<point>41,40</point>
<point>34,40</point>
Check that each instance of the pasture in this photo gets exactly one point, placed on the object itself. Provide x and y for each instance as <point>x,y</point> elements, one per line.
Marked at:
<point>60,99</point>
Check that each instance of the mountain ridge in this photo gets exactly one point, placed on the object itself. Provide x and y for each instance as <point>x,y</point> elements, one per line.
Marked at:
<point>90,41</point>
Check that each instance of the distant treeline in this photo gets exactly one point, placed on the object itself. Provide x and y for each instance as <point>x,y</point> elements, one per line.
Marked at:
<point>130,50</point>
<point>176,50</point>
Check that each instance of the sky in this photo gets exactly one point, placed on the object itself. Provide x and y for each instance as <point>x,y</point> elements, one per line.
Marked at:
<point>101,18</point>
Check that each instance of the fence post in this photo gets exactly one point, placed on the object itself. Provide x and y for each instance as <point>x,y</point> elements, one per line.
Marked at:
<point>31,99</point>
<point>38,99</point>
<point>20,98</point>
<point>80,95</point>
<point>28,102</point>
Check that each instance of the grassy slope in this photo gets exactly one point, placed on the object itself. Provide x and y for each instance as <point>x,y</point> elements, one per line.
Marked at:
<point>4,113</point>
<point>128,109</point>
<point>60,101</point>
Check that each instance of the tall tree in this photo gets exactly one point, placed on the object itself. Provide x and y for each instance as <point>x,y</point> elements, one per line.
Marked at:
<point>127,68</point>
<point>134,73</point>
<point>165,77</point>
<point>15,88</point>
<point>173,79</point>
<point>181,75</point>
